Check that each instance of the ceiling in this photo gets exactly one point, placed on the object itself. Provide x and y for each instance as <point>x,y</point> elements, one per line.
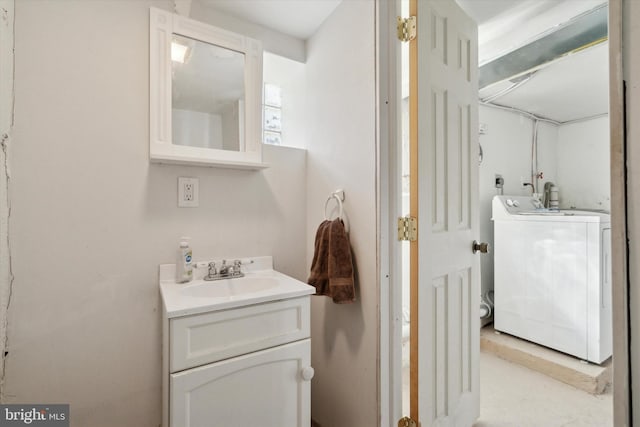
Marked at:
<point>297,18</point>
<point>483,11</point>
<point>571,88</point>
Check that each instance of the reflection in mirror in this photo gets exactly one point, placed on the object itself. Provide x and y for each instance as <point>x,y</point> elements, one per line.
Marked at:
<point>207,95</point>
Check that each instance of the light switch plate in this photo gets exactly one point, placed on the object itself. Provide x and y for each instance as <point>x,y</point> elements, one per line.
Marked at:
<point>187,192</point>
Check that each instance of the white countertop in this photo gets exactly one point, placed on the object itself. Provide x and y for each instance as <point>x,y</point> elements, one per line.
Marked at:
<point>178,299</point>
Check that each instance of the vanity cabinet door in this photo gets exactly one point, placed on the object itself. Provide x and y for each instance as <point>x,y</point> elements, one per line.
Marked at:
<point>269,388</point>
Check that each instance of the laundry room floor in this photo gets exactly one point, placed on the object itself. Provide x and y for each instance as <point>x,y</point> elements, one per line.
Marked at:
<point>514,396</point>
<point>584,375</point>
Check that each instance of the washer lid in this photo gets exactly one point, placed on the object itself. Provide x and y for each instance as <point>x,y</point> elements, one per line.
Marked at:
<point>527,208</point>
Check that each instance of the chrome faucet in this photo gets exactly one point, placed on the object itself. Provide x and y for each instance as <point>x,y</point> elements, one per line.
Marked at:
<point>225,271</point>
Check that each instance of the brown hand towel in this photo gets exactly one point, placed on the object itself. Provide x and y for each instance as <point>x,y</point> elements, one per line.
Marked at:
<point>332,265</point>
<point>319,276</point>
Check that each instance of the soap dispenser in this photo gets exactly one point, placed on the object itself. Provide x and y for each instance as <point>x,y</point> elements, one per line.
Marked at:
<point>184,269</point>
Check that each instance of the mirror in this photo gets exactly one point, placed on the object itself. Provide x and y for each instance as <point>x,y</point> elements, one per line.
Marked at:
<point>205,94</point>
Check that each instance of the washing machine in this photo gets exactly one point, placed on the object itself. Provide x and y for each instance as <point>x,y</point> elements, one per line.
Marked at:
<point>552,276</point>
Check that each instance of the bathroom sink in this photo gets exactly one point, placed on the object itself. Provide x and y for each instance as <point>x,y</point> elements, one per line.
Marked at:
<point>230,288</point>
<point>260,284</point>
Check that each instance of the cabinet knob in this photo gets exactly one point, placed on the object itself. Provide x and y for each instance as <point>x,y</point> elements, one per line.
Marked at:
<point>307,373</point>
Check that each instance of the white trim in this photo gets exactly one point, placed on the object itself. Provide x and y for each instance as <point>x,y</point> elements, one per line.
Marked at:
<point>389,204</point>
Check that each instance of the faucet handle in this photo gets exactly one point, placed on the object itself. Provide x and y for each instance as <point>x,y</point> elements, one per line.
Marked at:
<point>212,269</point>
<point>237,271</point>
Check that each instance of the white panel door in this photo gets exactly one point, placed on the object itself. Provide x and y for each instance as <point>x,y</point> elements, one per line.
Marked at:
<point>448,285</point>
<point>266,388</point>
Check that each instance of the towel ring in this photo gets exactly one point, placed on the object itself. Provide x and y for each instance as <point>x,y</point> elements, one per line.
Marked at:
<point>326,204</point>
<point>339,197</point>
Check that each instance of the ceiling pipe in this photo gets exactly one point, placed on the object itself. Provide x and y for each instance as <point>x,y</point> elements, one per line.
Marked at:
<point>516,83</point>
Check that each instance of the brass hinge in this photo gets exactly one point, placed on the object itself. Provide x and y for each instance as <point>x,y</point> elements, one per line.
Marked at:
<point>407,228</point>
<point>406,28</point>
<point>407,422</point>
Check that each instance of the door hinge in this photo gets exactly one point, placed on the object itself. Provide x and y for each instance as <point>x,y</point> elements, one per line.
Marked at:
<point>407,228</point>
<point>407,422</point>
<point>406,28</point>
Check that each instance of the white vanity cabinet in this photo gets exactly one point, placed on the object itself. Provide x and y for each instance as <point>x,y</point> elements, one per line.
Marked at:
<point>227,363</point>
<point>264,388</point>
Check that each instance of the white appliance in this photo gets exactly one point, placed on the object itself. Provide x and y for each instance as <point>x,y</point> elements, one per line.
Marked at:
<point>553,276</point>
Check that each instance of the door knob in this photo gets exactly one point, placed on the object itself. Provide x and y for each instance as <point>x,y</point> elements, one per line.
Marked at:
<point>482,247</point>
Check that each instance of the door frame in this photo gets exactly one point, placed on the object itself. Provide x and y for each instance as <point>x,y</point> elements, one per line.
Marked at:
<point>388,205</point>
<point>389,251</point>
<point>619,247</point>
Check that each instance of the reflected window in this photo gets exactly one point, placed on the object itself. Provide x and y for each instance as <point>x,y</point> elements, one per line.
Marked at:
<point>272,113</point>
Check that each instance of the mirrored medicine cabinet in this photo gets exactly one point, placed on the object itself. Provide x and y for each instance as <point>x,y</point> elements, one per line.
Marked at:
<point>205,94</point>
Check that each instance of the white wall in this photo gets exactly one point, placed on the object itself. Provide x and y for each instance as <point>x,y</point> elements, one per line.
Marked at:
<point>290,76</point>
<point>196,129</point>
<point>631,64</point>
<point>342,146</point>
<point>584,173</point>
<point>91,219</point>
<point>232,121</point>
<point>507,151</point>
